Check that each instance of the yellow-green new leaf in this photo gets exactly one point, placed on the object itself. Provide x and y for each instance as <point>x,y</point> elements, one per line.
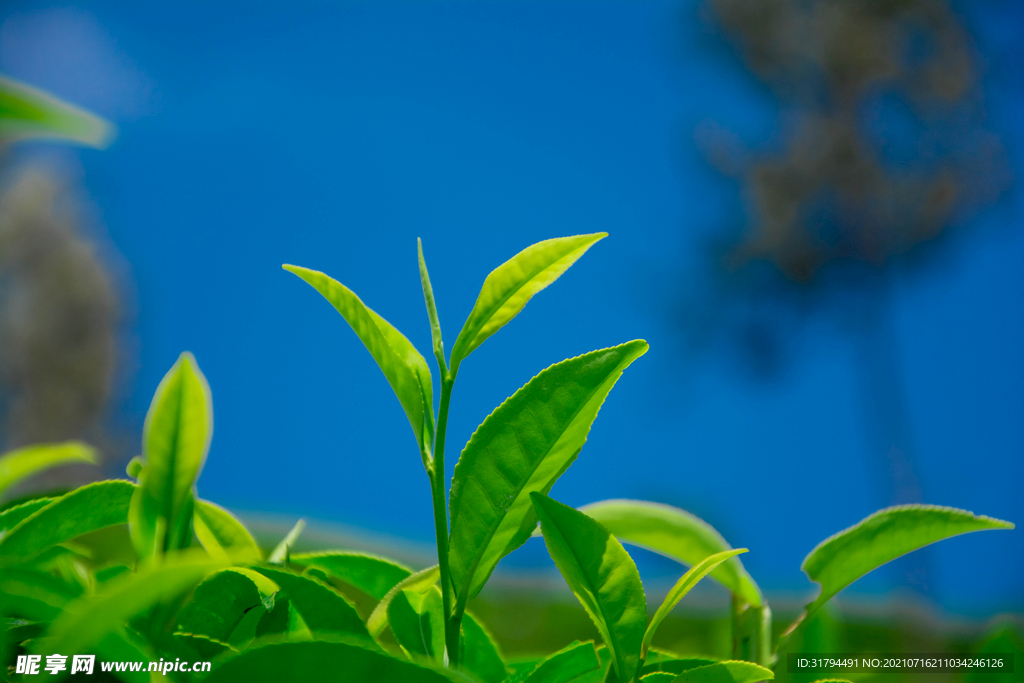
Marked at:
<point>603,577</point>
<point>677,534</point>
<point>686,582</point>
<point>218,530</point>
<point>848,555</point>
<point>281,552</point>
<point>522,447</point>
<point>175,440</point>
<point>726,672</point>
<point>402,365</point>
<point>24,462</point>
<point>27,112</point>
<point>510,286</point>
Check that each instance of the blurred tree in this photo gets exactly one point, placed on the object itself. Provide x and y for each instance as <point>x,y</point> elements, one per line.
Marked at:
<point>884,150</point>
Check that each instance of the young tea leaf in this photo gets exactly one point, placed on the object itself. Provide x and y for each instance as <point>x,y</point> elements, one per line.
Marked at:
<point>726,672</point>
<point>221,601</point>
<point>374,576</point>
<point>848,555</point>
<point>522,447</point>
<point>322,608</point>
<point>428,297</point>
<point>13,515</point>
<point>565,666</point>
<point>175,439</point>
<point>422,581</point>
<point>479,654</point>
<point>24,462</point>
<point>280,553</point>
<point>658,662</point>
<point>26,113</point>
<point>510,286</point>
<point>402,365</point>
<point>686,582</point>
<point>87,508</point>
<point>417,622</point>
<point>217,530</point>
<point>674,533</point>
<point>601,574</point>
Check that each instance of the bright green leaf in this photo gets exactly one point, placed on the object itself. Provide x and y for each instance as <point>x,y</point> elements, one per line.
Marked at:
<point>33,594</point>
<point>522,447</point>
<point>674,533</point>
<point>726,672</point>
<point>848,555</point>
<point>221,601</point>
<point>421,581</point>
<point>345,659</point>
<point>568,664</point>
<point>175,440</point>
<point>26,112</point>
<point>686,582</point>
<point>217,530</point>
<point>428,297</point>
<point>322,608</point>
<point>402,365</point>
<point>658,662</point>
<point>374,576</point>
<point>87,508</point>
<point>601,574</point>
<point>13,515</point>
<point>417,622</point>
<point>86,621</point>
<point>479,653</point>
<point>282,551</point>
<point>24,462</point>
<point>510,286</point>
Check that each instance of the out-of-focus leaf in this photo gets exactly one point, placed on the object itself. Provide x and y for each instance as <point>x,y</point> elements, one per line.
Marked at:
<point>281,552</point>
<point>479,653</point>
<point>221,600</point>
<point>345,660</point>
<point>848,555</point>
<point>86,621</point>
<point>603,577</point>
<point>24,462</point>
<point>205,649</point>
<point>417,622</point>
<point>13,515</point>
<point>217,529</point>
<point>522,447</point>
<point>726,672</point>
<point>422,581</point>
<point>402,365</point>
<point>88,508</point>
<point>33,594</point>
<point>321,607</point>
<point>373,575</point>
<point>674,533</point>
<point>568,664</point>
<point>673,664</point>
<point>283,618</point>
<point>175,440</point>
<point>510,286</point>
<point>658,678</point>
<point>27,112</point>
<point>124,645</point>
<point>686,582</point>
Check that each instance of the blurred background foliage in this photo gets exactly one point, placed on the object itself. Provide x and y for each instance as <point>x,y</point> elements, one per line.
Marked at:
<point>777,175</point>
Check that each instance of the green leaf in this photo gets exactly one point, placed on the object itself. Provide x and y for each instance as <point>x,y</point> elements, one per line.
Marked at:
<point>13,515</point>
<point>344,660</point>
<point>222,600</point>
<point>428,297</point>
<point>848,555</point>
<point>421,581</point>
<point>726,672</point>
<point>568,664</point>
<point>658,677</point>
<point>479,654</point>
<point>322,608</point>
<point>283,618</point>
<point>86,621</point>
<point>402,365</point>
<point>601,574</point>
<point>510,286</point>
<point>373,575</point>
<point>217,530</point>
<point>674,533</point>
<point>175,440</point>
<point>522,447</point>
<point>32,594</point>
<point>24,462</point>
<point>417,622</point>
<point>87,508</point>
<point>26,112</point>
<point>686,582</point>
<point>281,552</point>
<point>671,664</point>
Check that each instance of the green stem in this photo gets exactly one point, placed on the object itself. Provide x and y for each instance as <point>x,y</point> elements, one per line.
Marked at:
<point>751,632</point>
<point>437,482</point>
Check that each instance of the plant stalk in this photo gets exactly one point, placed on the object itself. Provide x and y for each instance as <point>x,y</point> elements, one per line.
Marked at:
<point>437,482</point>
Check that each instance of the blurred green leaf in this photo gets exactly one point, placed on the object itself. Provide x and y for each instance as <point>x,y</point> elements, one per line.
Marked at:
<point>344,660</point>
<point>88,508</point>
<point>175,440</point>
<point>564,666</point>
<point>22,463</point>
<point>282,551</point>
<point>522,447</point>
<point>601,574</point>
<point>686,582</point>
<point>674,533</point>
<point>726,672</point>
<point>480,655</point>
<point>417,622</point>
<point>33,594</point>
<point>27,112</point>
<point>221,601</point>
<point>510,286</point>
<point>13,515</point>
<point>373,575</point>
<point>217,529</point>
<point>658,678</point>
<point>421,581</point>
<point>322,608</point>
<point>848,555</point>
<point>402,365</point>
<point>672,664</point>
